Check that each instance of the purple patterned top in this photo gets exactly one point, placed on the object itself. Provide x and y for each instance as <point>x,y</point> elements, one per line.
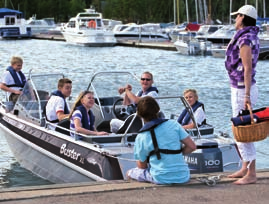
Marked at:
<point>233,62</point>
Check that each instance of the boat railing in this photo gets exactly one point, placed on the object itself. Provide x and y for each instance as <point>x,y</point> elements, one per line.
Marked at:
<point>189,109</point>
<point>123,139</point>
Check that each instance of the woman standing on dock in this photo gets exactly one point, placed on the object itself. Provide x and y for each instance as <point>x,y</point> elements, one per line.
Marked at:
<point>241,58</point>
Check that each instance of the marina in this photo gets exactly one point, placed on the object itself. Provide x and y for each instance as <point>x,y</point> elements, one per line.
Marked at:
<point>179,77</point>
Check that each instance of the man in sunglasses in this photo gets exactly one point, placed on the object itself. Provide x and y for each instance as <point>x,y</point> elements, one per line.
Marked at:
<point>147,89</point>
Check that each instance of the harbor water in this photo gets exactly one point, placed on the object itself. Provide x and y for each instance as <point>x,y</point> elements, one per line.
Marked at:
<point>173,73</point>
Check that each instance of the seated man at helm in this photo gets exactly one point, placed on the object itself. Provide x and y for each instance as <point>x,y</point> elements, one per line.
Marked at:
<point>147,89</point>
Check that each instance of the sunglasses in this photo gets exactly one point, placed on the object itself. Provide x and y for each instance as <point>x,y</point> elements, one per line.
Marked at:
<point>143,79</point>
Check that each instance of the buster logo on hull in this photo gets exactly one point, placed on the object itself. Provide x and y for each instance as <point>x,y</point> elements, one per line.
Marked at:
<point>69,152</point>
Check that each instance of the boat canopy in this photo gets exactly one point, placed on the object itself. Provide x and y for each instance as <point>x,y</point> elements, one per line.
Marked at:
<point>6,11</point>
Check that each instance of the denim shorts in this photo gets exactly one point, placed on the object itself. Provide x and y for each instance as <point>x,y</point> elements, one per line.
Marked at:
<point>141,175</point>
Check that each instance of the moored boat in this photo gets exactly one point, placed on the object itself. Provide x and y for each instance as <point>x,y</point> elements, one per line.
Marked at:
<point>59,158</point>
<point>87,29</point>
<point>40,25</point>
<point>13,24</point>
<point>149,32</point>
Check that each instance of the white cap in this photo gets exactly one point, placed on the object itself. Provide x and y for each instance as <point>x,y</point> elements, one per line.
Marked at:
<point>247,10</point>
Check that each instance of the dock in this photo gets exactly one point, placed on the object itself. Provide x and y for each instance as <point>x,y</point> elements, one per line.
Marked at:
<point>264,54</point>
<point>196,191</point>
<point>132,43</point>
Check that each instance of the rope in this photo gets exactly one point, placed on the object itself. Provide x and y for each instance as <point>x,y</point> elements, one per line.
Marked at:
<point>115,157</point>
<point>210,180</point>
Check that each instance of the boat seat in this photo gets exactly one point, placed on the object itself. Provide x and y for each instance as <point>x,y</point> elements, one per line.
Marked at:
<point>104,126</point>
<point>65,123</point>
<point>161,115</point>
<point>135,126</point>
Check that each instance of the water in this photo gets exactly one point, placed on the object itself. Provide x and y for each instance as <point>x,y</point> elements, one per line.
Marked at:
<point>172,74</point>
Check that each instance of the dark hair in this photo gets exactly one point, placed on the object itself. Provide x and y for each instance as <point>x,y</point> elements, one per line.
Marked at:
<point>148,108</point>
<point>248,21</point>
<point>78,101</point>
<point>63,81</point>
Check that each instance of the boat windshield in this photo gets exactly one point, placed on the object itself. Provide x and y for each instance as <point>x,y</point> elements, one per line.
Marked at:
<point>36,93</point>
<point>106,84</point>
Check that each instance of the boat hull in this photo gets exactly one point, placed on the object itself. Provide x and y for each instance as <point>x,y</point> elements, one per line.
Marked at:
<point>90,39</point>
<point>54,158</point>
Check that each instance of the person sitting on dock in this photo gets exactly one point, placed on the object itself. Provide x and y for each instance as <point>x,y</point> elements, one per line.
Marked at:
<point>147,89</point>
<point>158,148</point>
<point>198,110</point>
<point>81,117</point>
<point>13,80</point>
<point>57,108</point>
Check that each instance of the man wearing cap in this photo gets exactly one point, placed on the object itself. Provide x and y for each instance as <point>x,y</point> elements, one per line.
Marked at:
<point>241,58</point>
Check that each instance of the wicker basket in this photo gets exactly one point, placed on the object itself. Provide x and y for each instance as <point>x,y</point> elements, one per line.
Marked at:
<point>251,133</point>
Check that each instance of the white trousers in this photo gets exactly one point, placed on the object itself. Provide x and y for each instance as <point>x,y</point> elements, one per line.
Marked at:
<point>247,150</point>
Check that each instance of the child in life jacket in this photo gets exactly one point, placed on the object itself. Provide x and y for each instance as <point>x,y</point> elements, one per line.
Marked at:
<point>184,119</point>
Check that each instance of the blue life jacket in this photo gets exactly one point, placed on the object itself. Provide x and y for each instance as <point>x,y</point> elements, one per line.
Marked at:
<point>185,117</point>
<point>58,93</point>
<point>66,110</point>
<point>18,82</point>
<point>152,88</point>
<point>85,116</point>
<point>149,126</point>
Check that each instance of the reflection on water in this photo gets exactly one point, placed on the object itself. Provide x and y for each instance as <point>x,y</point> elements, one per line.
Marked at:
<point>172,74</point>
<point>16,176</point>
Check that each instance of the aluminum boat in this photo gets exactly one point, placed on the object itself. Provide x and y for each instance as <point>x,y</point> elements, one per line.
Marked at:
<point>56,156</point>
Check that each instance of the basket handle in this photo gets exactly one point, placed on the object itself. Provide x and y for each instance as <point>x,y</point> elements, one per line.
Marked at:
<point>251,114</point>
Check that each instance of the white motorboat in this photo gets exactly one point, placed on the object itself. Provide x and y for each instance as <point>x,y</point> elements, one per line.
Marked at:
<point>220,51</point>
<point>206,30</point>
<point>222,35</point>
<point>143,33</point>
<point>59,158</point>
<point>40,25</point>
<point>193,47</point>
<point>184,31</point>
<point>109,24</point>
<point>87,29</point>
<point>13,25</point>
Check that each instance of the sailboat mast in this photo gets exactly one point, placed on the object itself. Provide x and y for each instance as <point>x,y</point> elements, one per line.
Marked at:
<point>178,11</point>
<point>264,10</point>
<point>230,17</point>
<point>196,9</point>
<point>175,12</point>
<point>257,6</point>
<point>209,12</point>
<point>187,11</point>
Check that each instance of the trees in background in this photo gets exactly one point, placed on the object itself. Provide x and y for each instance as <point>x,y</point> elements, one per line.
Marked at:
<point>139,11</point>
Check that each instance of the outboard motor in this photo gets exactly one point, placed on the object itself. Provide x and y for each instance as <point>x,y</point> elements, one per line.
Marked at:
<point>206,159</point>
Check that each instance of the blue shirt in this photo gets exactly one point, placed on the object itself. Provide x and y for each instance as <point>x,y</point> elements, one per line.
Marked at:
<point>171,168</point>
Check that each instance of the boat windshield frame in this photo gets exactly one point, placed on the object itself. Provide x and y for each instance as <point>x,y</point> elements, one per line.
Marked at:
<point>36,92</point>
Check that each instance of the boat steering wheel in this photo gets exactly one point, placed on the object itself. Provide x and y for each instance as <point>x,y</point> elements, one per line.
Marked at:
<point>122,111</point>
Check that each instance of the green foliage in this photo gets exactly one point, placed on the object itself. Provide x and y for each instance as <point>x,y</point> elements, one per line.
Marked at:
<point>139,11</point>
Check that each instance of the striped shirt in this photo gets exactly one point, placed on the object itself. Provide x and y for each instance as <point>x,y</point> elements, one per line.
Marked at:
<point>76,115</point>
